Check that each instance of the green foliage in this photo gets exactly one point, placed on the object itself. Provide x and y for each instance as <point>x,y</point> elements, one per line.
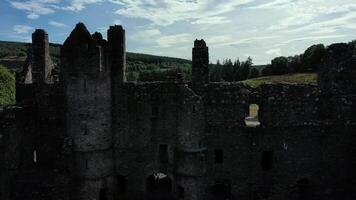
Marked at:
<point>254,73</point>
<point>13,50</point>
<point>7,86</point>
<point>309,61</point>
<point>278,66</point>
<point>313,57</point>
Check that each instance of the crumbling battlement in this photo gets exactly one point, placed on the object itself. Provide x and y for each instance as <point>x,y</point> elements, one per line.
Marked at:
<point>87,133</point>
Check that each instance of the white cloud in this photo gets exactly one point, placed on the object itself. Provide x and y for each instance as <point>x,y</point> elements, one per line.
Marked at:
<point>275,52</point>
<point>78,5</point>
<point>22,29</point>
<point>170,40</point>
<point>35,8</point>
<point>155,37</point>
<point>215,40</point>
<point>33,16</point>
<point>167,12</point>
<point>57,24</point>
<point>147,36</point>
<point>313,38</point>
<point>272,4</point>
<point>307,12</point>
<point>212,20</point>
<point>117,22</point>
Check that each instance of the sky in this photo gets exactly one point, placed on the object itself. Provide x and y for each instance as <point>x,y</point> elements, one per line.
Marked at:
<point>261,29</point>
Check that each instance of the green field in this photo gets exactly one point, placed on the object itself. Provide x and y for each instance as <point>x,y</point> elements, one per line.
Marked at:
<point>287,78</point>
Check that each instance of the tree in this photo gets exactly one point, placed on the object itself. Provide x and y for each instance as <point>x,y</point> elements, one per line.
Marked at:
<point>7,86</point>
<point>245,69</point>
<point>254,73</point>
<point>279,66</point>
<point>313,57</point>
<point>295,64</point>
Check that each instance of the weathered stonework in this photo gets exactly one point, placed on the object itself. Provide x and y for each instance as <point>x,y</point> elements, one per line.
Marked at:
<point>91,135</point>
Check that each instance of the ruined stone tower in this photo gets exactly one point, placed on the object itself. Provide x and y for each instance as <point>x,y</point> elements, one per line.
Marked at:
<point>116,41</point>
<point>200,64</point>
<point>87,80</point>
<point>42,65</point>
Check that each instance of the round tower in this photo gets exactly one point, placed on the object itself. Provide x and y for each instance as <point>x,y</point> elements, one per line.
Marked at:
<point>87,83</point>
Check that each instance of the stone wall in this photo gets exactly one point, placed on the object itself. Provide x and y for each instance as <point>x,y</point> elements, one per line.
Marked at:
<point>285,105</point>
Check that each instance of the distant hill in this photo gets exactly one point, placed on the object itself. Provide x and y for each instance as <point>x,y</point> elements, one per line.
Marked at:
<point>286,78</point>
<point>13,55</point>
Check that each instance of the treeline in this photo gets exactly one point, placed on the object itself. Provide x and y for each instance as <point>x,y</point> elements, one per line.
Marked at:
<point>13,49</point>
<point>232,71</point>
<point>161,71</point>
<point>309,61</point>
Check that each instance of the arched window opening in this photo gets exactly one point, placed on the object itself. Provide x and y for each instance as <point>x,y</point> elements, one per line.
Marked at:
<point>252,119</point>
<point>103,194</point>
<point>267,160</point>
<point>180,192</point>
<point>221,191</point>
<point>158,187</point>
<point>303,189</point>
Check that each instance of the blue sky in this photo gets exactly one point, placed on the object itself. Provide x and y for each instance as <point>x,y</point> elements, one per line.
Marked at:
<point>262,29</point>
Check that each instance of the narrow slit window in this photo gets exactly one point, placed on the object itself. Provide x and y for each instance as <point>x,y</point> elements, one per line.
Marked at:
<point>86,164</point>
<point>121,184</point>
<point>35,158</point>
<point>303,189</point>
<point>85,129</point>
<point>252,119</point>
<point>163,153</point>
<point>194,109</point>
<point>219,157</point>
<point>85,84</point>
<point>267,160</point>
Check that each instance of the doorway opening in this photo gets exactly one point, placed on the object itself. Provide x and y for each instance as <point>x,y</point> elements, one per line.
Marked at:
<point>221,191</point>
<point>252,119</point>
<point>159,187</point>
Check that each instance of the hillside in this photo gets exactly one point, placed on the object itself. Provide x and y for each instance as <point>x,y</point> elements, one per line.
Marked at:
<point>287,78</point>
<point>13,54</point>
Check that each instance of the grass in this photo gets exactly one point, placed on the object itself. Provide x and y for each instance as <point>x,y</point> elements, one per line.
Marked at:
<point>287,78</point>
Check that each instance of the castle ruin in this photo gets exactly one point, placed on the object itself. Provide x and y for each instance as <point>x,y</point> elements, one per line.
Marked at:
<point>80,131</point>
